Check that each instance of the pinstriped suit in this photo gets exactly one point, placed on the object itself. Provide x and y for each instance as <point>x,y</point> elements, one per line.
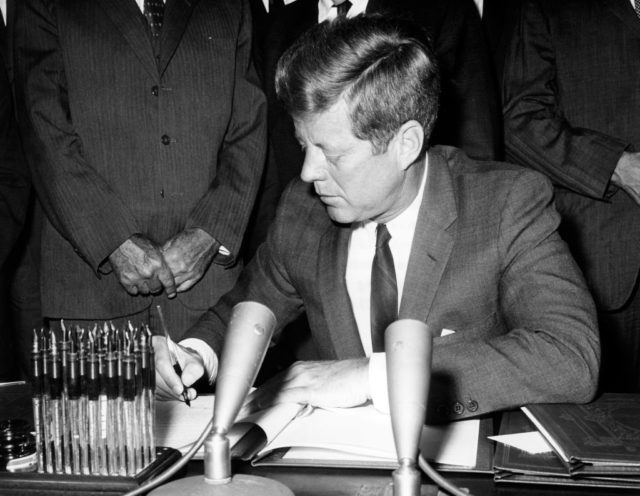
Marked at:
<point>14,178</point>
<point>486,262</point>
<point>124,139</point>
<point>572,106</point>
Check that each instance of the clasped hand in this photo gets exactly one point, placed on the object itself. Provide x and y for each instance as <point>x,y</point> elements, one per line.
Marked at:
<point>144,268</point>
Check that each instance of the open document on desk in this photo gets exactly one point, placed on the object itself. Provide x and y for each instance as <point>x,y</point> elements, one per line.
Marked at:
<point>290,434</point>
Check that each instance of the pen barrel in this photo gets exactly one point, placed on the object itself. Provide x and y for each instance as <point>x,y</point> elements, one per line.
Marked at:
<point>36,369</point>
<point>47,417</point>
<point>143,404</point>
<point>57,419</point>
<point>64,408</point>
<point>94,434</point>
<point>141,423</point>
<point>93,414</point>
<point>83,423</point>
<point>36,403</point>
<point>130,434</point>
<point>74,429</point>
<point>57,425</point>
<point>103,413</point>
<point>132,440</point>
<point>74,418</point>
<point>151,400</point>
<point>112,414</point>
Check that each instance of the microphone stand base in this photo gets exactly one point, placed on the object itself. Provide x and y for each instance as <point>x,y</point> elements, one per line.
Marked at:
<point>240,485</point>
<point>425,490</point>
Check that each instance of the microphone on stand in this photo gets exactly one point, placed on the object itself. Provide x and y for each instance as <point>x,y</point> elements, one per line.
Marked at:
<point>248,335</point>
<point>408,348</point>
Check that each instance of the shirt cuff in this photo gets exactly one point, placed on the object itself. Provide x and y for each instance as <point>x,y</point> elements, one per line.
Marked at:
<point>378,382</point>
<point>208,356</point>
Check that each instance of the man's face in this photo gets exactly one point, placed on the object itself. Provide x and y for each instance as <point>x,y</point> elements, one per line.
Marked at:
<point>354,183</point>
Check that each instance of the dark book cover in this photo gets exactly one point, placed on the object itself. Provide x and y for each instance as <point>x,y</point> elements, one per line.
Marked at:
<point>512,465</point>
<point>601,437</point>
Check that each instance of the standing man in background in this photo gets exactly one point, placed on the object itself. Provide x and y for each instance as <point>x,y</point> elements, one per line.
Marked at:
<point>14,194</point>
<point>572,111</point>
<point>145,129</point>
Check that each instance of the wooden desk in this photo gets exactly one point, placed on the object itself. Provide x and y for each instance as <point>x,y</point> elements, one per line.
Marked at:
<point>15,402</point>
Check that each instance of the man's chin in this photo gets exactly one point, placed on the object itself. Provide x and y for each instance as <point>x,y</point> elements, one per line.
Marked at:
<point>340,215</point>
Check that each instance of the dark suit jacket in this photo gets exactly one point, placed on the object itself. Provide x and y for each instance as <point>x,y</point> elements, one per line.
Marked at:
<point>126,139</point>
<point>14,176</point>
<point>469,110</point>
<point>486,262</point>
<point>572,104</point>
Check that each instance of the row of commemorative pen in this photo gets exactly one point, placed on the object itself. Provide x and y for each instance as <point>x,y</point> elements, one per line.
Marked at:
<point>93,400</point>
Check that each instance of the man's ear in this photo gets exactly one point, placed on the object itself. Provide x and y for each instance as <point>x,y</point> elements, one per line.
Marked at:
<point>409,140</point>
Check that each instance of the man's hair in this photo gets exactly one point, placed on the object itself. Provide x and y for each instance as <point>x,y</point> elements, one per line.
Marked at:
<point>382,66</point>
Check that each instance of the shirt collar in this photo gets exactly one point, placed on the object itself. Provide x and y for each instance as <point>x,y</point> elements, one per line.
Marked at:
<point>266,4</point>
<point>406,221</point>
<point>357,5</point>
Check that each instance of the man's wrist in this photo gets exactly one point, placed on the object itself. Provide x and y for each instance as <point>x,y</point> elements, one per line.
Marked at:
<point>377,372</point>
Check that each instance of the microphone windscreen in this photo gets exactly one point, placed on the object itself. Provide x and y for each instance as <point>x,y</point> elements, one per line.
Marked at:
<point>408,345</point>
<point>248,336</point>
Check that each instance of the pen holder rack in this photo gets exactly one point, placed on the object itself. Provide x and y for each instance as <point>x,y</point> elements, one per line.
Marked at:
<point>93,401</point>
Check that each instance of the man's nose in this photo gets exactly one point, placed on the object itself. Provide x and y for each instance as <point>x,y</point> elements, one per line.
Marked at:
<point>313,166</point>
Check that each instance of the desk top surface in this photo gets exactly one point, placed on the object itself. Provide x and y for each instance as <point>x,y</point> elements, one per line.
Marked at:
<point>15,402</point>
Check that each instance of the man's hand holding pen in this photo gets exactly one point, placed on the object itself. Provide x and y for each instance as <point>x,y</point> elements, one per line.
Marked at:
<point>169,385</point>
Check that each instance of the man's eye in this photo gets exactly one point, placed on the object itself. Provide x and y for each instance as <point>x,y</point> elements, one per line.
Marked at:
<point>333,159</point>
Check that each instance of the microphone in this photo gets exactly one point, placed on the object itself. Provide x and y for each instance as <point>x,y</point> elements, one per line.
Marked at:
<point>408,347</point>
<point>248,335</point>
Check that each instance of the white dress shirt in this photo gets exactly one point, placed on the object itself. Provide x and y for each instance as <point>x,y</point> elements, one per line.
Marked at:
<point>3,8</point>
<point>325,10</point>
<point>362,245</point>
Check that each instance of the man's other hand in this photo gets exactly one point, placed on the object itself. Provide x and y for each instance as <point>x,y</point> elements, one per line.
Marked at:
<point>169,386</point>
<point>188,255</point>
<point>337,383</point>
<point>141,268</point>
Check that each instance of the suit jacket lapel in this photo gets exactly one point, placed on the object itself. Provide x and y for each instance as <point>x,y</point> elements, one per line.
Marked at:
<point>335,302</point>
<point>624,11</point>
<point>129,20</point>
<point>432,241</point>
<point>176,17</point>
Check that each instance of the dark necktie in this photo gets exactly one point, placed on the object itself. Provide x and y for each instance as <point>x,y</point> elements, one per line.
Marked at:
<point>636,4</point>
<point>384,290</point>
<point>343,8</point>
<point>154,12</point>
